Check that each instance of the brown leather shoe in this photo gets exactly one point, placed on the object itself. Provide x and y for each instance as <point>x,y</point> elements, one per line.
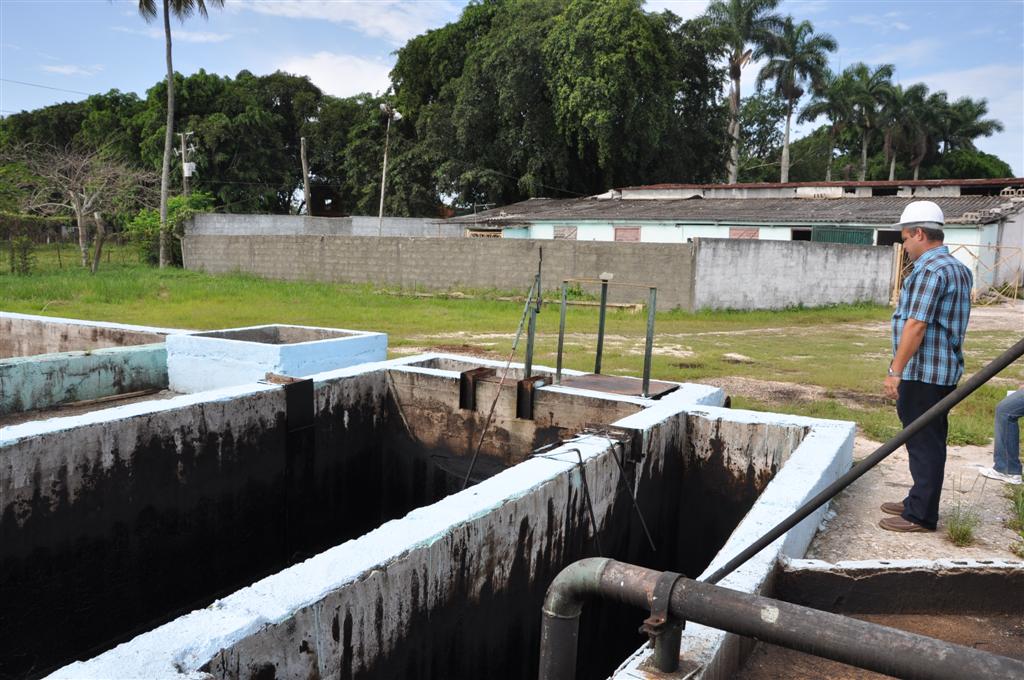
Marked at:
<point>893,508</point>
<point>900,524</point>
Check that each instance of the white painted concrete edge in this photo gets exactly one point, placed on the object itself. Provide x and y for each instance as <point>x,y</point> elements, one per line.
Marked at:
<point>823,455</point>
<point>874,566</point>
<point>178,648</point>
<point>98,324</point>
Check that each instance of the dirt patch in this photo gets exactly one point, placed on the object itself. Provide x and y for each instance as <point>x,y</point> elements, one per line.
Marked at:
<point>851,530</point>
<point>998,633</point>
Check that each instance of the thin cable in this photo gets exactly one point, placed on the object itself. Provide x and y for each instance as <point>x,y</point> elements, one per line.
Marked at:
<point>501,383</point>
<point>586,492</point>
<point>46,87</point>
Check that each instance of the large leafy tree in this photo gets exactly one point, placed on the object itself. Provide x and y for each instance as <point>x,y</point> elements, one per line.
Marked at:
<point>745,25</point>
<point>965,121</point>
<point>182,9</point>
<point>832,99</point>
<point>797,57</point>
<point>870,88</point>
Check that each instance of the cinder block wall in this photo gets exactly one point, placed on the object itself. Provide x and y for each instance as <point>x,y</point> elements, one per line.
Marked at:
<point>432,263</point>
<point>749,274</point>
<point>294,225</point>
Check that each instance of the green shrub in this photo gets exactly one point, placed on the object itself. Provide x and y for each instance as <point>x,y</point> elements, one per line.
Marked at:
<point>22,256</point>
<point>144,228</point>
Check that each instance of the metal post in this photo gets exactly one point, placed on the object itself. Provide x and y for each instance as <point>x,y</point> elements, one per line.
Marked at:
<point>830,636</point>
<point>561,333</point>
<point>652,303</point>
<point>600,326</point>
<point>531,332</point>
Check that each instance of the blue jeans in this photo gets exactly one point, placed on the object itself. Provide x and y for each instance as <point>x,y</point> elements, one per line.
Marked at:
<point>1007,434</point>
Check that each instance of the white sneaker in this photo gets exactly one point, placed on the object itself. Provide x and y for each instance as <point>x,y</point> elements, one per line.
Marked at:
<point>992,473</point>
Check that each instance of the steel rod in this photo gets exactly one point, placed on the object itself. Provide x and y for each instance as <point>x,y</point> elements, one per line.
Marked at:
<point>831,636</point>
<point>652,303</point>
<point>531,334</point>
<point>561,333</point>
<point>600,326</point>
<point>948,402</point>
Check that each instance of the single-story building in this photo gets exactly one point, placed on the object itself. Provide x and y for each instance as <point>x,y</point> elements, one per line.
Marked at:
<point>984,221</point>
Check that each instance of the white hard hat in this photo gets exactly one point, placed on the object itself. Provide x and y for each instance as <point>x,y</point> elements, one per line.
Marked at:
<point>922,211</point>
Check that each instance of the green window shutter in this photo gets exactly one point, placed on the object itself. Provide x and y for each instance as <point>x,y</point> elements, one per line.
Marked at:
<point>850,235</point>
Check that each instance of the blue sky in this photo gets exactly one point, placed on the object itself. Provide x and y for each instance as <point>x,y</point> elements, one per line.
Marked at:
<point>973,48</point>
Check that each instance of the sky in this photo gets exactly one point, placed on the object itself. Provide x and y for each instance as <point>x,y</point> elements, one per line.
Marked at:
<point>61,50</point>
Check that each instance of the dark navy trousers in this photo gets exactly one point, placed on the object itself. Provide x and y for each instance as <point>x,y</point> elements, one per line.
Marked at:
<point>927,450</point>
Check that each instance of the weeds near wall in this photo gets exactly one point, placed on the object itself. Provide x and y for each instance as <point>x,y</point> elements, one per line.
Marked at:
<point>1015,492</point>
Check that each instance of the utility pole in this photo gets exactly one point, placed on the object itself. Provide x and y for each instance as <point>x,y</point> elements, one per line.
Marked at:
<point>392,114</point>
<point>305,176</point>
<point>186,166</point>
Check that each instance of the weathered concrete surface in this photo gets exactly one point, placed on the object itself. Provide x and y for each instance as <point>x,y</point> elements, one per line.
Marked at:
<point>207,361</point>
<point>288,225</point>
<point>822,455</point>
<point>903,586</point>
<point>127,517</point>
<point>757,274</point>
<point>45,380</point>
<point>504,264</point>
<point>26,334</point>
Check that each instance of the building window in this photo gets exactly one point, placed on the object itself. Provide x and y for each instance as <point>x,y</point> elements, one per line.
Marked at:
<point>744,232</point>
<point>800,234</point>
<point>627,233</point>
<point>565,233</point>
<point>483,233</point>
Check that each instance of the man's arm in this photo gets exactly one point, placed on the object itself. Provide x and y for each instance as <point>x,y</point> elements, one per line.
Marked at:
<point>910,341</point>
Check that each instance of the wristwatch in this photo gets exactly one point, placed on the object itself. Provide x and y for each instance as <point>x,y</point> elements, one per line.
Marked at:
<point>892,373</point>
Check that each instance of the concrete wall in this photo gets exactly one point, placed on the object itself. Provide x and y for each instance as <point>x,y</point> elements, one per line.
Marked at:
<point>46,380</point>
<point>23,335</point>
<point>295,225</point>
<point>749,274</point>
<point>504,264</point>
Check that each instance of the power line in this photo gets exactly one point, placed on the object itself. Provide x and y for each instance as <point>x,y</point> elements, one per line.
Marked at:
<point>45,87</point>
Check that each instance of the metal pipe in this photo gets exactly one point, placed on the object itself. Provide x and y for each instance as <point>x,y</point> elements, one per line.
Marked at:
<point>531,334</point>
<point>652,303</point>
<point>831,636</point>
<point>600,325</point>
<point>561,332</point>
<point>948,402</point>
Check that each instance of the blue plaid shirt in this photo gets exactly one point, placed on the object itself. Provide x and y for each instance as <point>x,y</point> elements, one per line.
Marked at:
<point>937,292</point>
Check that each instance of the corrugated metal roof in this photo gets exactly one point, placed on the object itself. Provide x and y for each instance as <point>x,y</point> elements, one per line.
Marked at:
<point>1001,182</point>
<point>879,210</point>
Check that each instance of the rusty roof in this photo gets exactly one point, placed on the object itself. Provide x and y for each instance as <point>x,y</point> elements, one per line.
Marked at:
<point>879,210</point>
<point>1001,182</point>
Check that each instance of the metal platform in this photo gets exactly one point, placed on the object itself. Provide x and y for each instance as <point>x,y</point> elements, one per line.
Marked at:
<point>614,384</point>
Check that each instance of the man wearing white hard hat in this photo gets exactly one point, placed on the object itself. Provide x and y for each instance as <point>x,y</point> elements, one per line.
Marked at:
<point>928,330</point>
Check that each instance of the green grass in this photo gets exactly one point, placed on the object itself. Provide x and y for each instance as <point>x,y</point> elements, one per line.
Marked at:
<point>961,522</point>
<point>842,349</point>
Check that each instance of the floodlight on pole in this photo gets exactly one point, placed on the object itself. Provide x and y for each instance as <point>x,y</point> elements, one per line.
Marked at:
<point>393,115</point>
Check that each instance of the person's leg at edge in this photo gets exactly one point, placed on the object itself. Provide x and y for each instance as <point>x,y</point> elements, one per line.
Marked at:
<point>926,451</point>
<point>1006,453</point>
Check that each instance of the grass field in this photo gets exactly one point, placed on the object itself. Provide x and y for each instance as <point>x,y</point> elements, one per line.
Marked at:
<point>842,350</point>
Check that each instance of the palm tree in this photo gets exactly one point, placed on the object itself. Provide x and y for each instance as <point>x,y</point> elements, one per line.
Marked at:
<point>182,9</point>
<point>966,122</point>
<point>742,22</point>
<point>924,113</point>
<point>869,89</point>
<point>831,99</point>
<point>796,56</point>
<point>896,124</point>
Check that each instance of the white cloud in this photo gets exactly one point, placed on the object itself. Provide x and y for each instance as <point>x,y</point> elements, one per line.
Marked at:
<point>394,20</point>
<point>72,69</point>
<point>905,54</point>
<point>685,9</point>
<point>1003,86</point>
<point>177,35</point>
<point>341,75</point>
<point>885,23</point>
